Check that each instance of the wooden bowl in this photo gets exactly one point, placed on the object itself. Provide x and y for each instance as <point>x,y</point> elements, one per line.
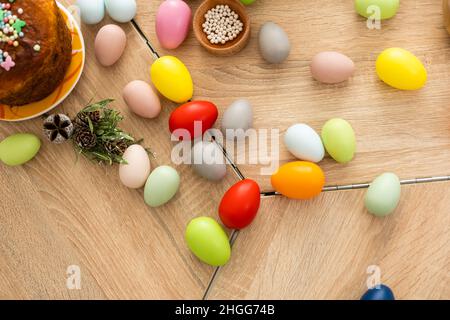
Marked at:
<point>230,47</point>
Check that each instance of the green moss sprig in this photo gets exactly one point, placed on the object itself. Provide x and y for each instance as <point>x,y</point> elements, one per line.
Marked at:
<point>96,134</point>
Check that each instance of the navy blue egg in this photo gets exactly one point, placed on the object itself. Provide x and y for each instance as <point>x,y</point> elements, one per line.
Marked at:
<point>381,292</point>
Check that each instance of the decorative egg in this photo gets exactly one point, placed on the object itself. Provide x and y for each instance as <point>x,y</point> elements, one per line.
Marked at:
<point>383,195</point>
<point>141,99</point>
<point>193,119</point>
<point>274,43</point>
<point>247,2</point>
<point>240,204</point>
<point>238,116</point>
<point>339,140</point>
<point>387,8</point>
<point>19,148</point>
<point>58,128</point>
<point>121,10</point>
<point>401,69</point>
<point>172,79</point>
<point>91,11</point>
<point>299,180</point>
<point>208,161</point>
<point>161,186</point>
<point>381,292</point>
<point>173,20</point>
<point>304,143</point>
<point>135,172</point>
<point>110,44</point>
<point>331,67</point>
<point>208,241</point>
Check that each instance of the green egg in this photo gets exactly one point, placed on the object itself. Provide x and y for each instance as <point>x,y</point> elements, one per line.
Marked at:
<point>19,148</point>
<point>368,8</point>
<point>161,186</point>
<point>383,195</point>
<point>339,140</point>
<point>208,241</point>
<point>247,2</point>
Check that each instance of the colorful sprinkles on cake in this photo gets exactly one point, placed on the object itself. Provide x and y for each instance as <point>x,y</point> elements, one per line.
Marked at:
<point>11,30</point>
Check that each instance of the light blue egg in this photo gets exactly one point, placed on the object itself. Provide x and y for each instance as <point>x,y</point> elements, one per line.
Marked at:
<point>383,195</point>
<point>91,11</point>
<point>161,186</point>
<point>121,10</point>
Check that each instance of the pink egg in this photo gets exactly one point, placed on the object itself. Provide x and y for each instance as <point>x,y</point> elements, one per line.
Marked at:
<point>110,44</point>
<point>172,23</point>
<point>332,67</point>
<point>141,99</point>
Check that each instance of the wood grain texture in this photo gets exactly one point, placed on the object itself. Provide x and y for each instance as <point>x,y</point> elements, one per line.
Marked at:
<point>58,210</point>
<point>321,249</point>
<point>404,132</point>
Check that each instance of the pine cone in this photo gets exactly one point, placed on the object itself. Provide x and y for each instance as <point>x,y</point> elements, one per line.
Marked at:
<point>84,138</point>
<point>95,116</point>
<point>82,118</point>
<point>116,147</point>
<point>58,128</point>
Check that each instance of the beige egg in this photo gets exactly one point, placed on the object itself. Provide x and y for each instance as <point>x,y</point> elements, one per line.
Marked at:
<point>134,174</point>
<point>142,99</point>
<point>110,44</point>
<point>331,67</point>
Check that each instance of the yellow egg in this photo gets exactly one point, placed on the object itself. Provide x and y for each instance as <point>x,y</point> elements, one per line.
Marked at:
<point>401,69</point>
<point>172,79</point>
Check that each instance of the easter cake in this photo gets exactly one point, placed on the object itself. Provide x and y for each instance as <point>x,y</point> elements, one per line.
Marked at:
<point>35,50</point>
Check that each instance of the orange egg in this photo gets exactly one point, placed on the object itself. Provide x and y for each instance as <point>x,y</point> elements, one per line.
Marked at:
<point>299,180</point>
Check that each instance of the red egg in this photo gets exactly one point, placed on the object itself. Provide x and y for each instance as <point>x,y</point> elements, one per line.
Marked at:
<point>196,117</point>
<point>240,204</point>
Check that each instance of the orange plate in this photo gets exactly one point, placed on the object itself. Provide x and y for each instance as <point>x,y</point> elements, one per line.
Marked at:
<point>33,110</point>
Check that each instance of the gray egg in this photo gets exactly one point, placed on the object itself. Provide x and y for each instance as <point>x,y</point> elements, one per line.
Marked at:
<point>239,115</point>
<point>274,43</point>
<point>208,161</point>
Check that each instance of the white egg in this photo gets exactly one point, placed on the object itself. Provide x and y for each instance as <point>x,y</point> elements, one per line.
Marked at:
<point>121,10</point>
<point>304,143</point>
<point>208,161</point>
<point>91,11</point>
<point>134,174</point>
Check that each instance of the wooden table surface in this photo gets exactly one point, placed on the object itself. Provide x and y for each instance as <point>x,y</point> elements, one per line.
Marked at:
<point>58,211</point>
